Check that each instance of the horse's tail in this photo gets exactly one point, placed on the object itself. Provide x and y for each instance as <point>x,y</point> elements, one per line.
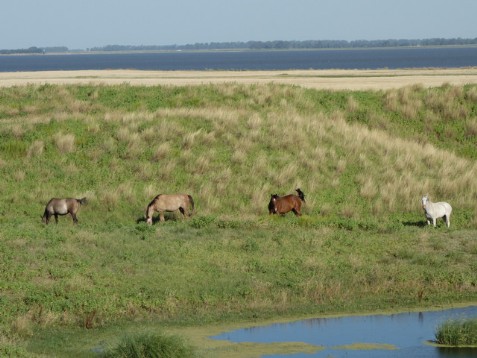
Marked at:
<point>301,194</point>
<point>191,201</point>
<point>82,201</point>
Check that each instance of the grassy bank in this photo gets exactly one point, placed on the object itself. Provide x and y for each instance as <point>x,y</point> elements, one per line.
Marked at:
<point>363,159</point>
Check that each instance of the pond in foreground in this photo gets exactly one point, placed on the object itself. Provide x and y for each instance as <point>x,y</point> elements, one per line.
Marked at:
<point>396,335</point>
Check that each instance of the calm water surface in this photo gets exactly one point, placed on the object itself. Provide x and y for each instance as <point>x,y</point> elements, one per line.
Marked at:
<point>249,60</point>
<point>408,332</point>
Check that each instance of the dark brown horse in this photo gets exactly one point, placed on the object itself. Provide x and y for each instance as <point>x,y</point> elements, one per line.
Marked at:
<point>57,207</point>
<point>284,204</point>
<point>169,202</point>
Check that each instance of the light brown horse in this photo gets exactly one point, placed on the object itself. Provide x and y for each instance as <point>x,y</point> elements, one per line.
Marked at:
<point>57,207</point>
<point>284,204</point>
<point>169,202</point>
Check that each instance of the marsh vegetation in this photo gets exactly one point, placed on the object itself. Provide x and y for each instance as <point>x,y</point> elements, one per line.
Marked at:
<point>364,160</point>
<point>458,333</point>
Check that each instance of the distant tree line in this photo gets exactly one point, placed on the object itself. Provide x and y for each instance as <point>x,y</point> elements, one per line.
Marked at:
<point>30,50</point>
<point>262,45</point>
<point>311,44</point>
<point>35,50</point>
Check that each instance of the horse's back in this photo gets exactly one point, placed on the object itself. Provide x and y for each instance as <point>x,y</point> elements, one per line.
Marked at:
<point>58,206</point>
<point>287,203</point>
<point>439,209</point>
<point>63,206</point>
<point>447,207</point>
<point>172,202</point>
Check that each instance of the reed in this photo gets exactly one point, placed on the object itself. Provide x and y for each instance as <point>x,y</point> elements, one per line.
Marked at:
<point>457,333</point>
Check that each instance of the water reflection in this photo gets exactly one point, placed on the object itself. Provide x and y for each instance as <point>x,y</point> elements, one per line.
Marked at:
<point>407,333</point>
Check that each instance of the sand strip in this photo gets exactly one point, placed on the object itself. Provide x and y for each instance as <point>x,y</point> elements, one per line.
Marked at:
<point>318,79</point>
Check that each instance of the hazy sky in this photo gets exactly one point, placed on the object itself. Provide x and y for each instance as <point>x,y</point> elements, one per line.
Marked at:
<point>80,24</point>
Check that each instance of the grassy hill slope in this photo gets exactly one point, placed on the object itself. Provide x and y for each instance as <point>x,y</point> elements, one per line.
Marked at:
<point>363,159</point>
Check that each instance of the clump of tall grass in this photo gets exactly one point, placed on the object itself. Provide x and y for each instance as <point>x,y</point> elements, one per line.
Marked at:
<point>471,128</point>
<point>65,142</point>
<point>459,332</point>
<point>405,101</point>
<point>151,345</point>
<point>36,149</point>
<point>162,151</point>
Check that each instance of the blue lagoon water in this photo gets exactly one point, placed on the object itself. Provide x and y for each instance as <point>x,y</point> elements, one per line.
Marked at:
<point>408,332</point>
<point>391,58</point>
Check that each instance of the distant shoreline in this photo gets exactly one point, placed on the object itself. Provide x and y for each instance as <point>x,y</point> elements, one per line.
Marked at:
<point>119,52</point>
<point>318,79</point>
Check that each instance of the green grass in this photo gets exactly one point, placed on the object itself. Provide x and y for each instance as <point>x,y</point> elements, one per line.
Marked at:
<point>458,333</point>
<point>363,159</point>
<point>151,345</point>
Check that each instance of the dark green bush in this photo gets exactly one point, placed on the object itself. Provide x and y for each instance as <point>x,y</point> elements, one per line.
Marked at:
<point>458,332</point>
<point>151,346</point>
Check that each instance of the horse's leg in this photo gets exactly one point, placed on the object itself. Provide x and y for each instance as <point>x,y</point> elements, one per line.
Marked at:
<point>296,212</point>
<point>75,219</point>
<point>447,220</point>
<point>56,218</point>
<point>182,210</point>
<point>434,221</point>
<point>161,216</point>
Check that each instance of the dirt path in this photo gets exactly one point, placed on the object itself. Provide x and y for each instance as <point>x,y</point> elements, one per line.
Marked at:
<point>320,79</point>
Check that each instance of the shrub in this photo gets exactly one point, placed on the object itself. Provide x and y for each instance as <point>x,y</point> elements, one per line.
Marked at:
<point>200,222</point>
<point>458,332</point>
<point>151,345</point>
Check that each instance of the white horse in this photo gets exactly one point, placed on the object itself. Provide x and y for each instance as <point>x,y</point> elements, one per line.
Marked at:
<point>436,210</point>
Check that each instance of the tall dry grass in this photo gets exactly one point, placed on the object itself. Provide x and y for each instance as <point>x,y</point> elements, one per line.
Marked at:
<point>65,142</point>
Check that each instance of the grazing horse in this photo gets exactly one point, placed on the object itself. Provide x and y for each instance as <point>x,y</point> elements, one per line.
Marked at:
<point>284,204</point>
<point>169,203</point>
<point>57,207</point>
<point>436,210</point>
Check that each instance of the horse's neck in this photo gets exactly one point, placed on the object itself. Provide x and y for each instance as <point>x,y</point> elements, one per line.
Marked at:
<point>430,206</point>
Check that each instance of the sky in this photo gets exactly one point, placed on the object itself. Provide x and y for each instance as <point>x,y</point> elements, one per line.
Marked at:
<point>82,24</point>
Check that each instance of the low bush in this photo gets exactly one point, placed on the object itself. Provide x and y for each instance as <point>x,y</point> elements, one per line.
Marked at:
<point>460,332</point>
<point>151,346</point>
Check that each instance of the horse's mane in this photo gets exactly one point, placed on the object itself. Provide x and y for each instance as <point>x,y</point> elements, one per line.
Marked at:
<point>153,200</point>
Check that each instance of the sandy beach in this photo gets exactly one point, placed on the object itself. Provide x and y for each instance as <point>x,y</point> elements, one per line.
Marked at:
<point>318,79</point>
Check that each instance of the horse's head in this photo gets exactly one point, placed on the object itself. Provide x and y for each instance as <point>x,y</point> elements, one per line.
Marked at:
<point>272,207</point>
<point>148,214</point>
<point>424,201</point>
